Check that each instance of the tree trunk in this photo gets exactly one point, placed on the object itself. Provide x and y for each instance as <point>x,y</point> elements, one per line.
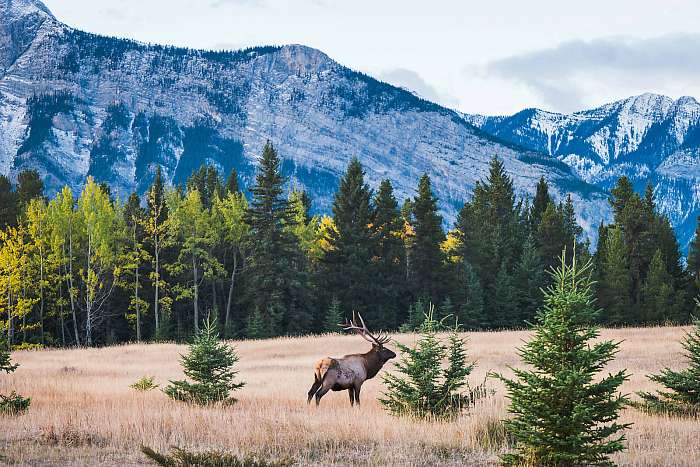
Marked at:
<point>227,322</point>
<point>196,293</point>
<point>157,298</point>
<point>88,300</point>
<point>70,287</point>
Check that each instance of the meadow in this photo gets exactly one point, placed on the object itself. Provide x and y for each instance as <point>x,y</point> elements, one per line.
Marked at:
<point>83,411</point>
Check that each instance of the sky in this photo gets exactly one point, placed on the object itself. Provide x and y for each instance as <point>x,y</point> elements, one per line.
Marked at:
<point>491,57</point>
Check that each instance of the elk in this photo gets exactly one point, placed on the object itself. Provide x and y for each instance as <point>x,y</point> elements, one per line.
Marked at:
<point>349,372</point>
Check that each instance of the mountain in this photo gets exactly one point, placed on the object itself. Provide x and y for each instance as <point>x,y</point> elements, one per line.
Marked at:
<point>74,104</point>
<point>649,138</point>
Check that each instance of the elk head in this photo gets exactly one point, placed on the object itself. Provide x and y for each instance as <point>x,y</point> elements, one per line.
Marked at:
<point>383,354</point>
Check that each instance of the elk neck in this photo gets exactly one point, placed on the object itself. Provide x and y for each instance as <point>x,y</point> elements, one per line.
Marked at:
<point>373,363</point>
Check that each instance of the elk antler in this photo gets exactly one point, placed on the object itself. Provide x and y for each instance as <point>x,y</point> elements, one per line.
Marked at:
<point>363,331</point>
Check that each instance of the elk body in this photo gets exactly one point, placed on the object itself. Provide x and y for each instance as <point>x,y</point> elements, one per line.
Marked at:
<point>349,372</point>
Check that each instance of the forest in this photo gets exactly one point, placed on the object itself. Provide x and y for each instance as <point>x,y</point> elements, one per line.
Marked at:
<point>88,269</point>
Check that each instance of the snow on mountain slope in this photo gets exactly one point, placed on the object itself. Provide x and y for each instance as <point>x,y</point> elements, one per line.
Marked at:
<point>650,138</point>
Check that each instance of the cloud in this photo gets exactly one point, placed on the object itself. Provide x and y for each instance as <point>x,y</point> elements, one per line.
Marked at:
<point>566,75</point>
<point>412,81</point>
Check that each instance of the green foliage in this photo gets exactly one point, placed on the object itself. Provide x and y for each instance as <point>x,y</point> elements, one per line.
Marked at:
<point>14,404</point>
<point>333,317</point>
<point>563,412</point>
<point>426,257</point>
<point>144,384</point>
<point>210,365</point>
<point>182,458</point>
<point>681,395</point>
<point>423,387</point>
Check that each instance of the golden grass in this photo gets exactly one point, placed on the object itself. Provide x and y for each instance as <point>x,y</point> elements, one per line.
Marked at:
<point>84,412</point>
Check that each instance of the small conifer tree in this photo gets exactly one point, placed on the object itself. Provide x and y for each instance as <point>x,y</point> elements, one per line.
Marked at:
<point>682,394</point>
<point>209,364</point>
<point>562,414</point>
<point>334,316</point>
<point>14,403</point>
<point>424,387</point>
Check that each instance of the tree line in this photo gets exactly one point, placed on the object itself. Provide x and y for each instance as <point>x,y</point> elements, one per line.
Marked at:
<point>89,269</point>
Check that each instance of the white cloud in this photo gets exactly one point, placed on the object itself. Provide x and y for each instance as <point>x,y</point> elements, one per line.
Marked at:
<point>412,81</point>
<point>571,75</point>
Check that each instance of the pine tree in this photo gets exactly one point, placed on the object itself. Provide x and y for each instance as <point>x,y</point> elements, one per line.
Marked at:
<point>9,204</point>
<point>274,288</point>
<point>29,186</point>
<point>390,256</point>
<point>333,317</point>
<point>694,260</point>
<point>348,269</point>
<point>681,395</point>
<point>615,284</point>
<point>257,327</point>
<point>552,237</point>
<point>426,256</point>
<point>209,364</point>
<point>657,292</point>
<point>232,186</point>
<point>13,403</point>
<point>563,414</point>
<point>528,282</point>
<point>471,311</point>
<point>539,203</point>
<point>423,388</point>
<point>504,302</point>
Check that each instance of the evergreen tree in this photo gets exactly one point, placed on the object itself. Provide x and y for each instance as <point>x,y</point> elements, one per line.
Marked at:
<point>528,281</point>
<point>539,203</point>
<point>681,394</point>
<point>209,364</point>
<point>471,311</point>
<point>657,292</point>
<point>614,287</point>
<point>9,204</point>
<point>390,256</point>
<point>423,388</point>
<point>552,237</point>
<point>563,414</point>
<point>694,261</point>
<point>29,186</point>
<point>348,268</point>
<point>274,286</point>
<point>13,403</point>
<point>333,317</point>
<point>232,186</point>
<point>426,255</point>
<point>505,301</point>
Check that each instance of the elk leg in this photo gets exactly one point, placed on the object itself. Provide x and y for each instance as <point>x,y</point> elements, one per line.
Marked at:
<point>321,392</point>
<point>351,392</point>
<point>357,394</point>
<point>314,388</point>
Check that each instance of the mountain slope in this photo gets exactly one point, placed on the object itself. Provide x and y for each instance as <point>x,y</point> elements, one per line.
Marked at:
<point>74,104</point>
<point>650,138</point>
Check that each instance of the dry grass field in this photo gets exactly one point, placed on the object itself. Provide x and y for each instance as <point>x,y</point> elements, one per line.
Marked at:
<point>84,412</point>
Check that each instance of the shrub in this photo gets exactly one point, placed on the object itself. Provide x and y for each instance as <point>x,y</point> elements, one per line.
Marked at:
<point>144,384</point>
<point>182,458</point>
<point>424,388</point>
<point>209,364</point>
<point>682,396</point>
<point>14,404</point>
<point>563,415</point>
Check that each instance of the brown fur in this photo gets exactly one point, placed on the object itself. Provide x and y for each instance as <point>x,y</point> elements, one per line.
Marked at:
<point>348,373</point>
